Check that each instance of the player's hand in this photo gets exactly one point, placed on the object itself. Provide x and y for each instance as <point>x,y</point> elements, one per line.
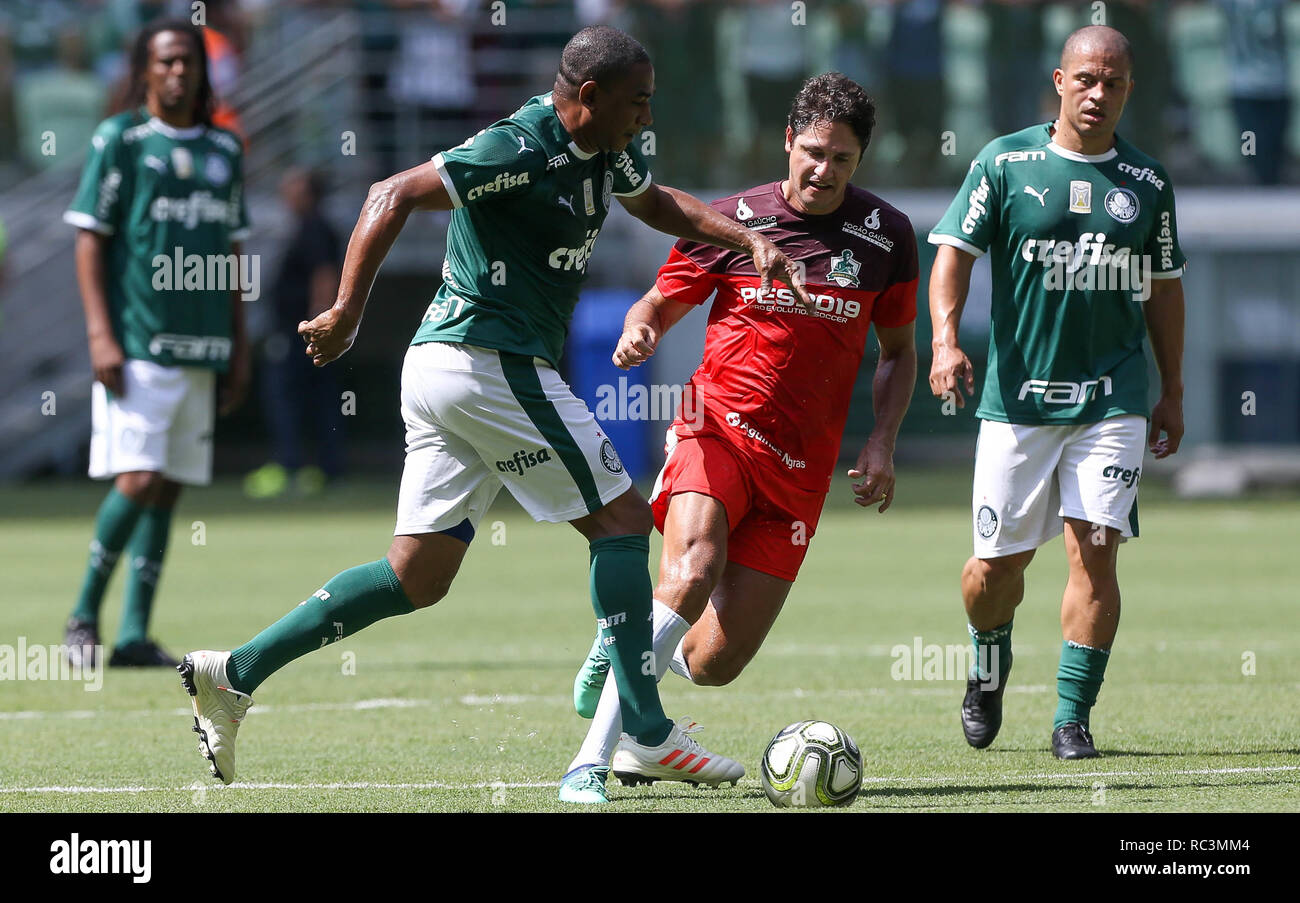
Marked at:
<point>328,336</point>
<point>875,468</point>
<point>951,372</point>
<point>234,382</point>
<point>106,360</point>
<point>1166,416</point>
<point>635,346</point>
<point>773,265</point>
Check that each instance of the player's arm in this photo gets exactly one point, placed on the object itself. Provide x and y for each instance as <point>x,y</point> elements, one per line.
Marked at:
<point>387,206</point>
<point>106,357</point>
<point>891,392</point>
<point>645,324</point>
<point>1164,316</point>
<point>950,369</point>
<point>678,213</point>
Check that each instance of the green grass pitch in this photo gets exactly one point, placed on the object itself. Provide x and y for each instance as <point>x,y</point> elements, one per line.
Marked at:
<point>467,706</point>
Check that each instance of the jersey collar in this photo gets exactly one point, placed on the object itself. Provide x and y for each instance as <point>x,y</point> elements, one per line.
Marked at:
<point>578,152</point>
<point>170,131</point>
<point>1075,155</point>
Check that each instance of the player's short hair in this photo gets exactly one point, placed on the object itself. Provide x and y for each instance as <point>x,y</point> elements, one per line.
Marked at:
<point>599,54</point>
<point>204,101</point>
<point>1107,37</point>
<point>834,97</point>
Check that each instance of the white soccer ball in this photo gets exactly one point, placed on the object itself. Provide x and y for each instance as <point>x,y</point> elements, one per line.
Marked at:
<point>811,764</point>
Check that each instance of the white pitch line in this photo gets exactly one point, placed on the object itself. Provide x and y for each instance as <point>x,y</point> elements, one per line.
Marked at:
<point>515,785</point>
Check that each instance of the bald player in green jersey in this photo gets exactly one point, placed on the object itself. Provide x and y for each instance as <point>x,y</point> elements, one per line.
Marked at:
<point>481,399</point>
<point>1082,235</point>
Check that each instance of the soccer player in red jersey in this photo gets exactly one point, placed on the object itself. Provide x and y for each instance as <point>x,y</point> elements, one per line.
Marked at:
<point>751,452</point>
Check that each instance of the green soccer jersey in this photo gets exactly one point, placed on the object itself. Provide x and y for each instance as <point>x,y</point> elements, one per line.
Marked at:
<point>529,204</point>
<point>1074,241</point>
<point>171,201</point>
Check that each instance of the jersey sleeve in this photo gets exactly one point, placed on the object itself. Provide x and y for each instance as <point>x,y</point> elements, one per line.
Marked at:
<point>1166,255</point>
<point>896,305</point>
<point>495,163</point>
<point>683,279</point>
<point>972,218</point>
<point>631,172</point>
<point>97,204</point>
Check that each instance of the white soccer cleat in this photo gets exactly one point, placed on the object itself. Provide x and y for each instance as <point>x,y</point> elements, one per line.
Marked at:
<point>218,709</point>
<point>678,758</point>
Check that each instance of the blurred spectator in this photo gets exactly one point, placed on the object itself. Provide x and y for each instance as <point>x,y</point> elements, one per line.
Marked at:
<point>1260,86</point>
<point>1143,22</point>
<point>306,283</point>
<point>774,62</point>
<point>58,108</point>
<point>682,41</point>
<point>914,79</point>
<point>1017,78</point>
<point>431,78</point>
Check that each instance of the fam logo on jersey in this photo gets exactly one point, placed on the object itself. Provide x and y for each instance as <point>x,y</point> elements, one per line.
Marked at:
<point>844,270</point>
<point>522,460</point>
<point>609,458</point>
<point>986,521</point>
<point>1065,391</point>
<point>1019,156</point>
<point>1080,196</point>
<point>1122,205</point>
<point>557,161</point>
<point>216,169</point>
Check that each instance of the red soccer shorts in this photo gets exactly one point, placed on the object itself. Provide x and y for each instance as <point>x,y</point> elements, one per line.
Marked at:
<point>771,520</point>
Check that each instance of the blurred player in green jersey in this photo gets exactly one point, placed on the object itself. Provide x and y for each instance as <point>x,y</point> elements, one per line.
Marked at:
<point>161,186</point>
<point>1083,240</point>
<point>482,402</point>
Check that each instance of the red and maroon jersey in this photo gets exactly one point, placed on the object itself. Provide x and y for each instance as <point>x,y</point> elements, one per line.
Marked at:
<point>776,379</point>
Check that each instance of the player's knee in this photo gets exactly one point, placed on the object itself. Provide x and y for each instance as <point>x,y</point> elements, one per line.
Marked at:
<point>143,487</point>
<point>716,670</point>
<point>428,592</point>
<point>627,515</point>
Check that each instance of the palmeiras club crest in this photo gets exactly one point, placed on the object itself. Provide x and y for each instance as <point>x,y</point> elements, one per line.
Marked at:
<point>844,270</point>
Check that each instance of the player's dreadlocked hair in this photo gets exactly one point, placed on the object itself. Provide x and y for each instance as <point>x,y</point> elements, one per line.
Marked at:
<point>134,97</point>
<point>834,97</point>
<point>598,53</point>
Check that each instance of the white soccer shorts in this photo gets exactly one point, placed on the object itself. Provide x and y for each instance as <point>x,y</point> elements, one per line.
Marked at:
<point>477,419</point>
<point>1027,478</point>
<point>162,424</point>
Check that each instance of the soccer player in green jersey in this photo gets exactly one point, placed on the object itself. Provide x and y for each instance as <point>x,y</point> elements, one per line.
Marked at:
<point>1081,232</point>
<point>161,187</point>
<point>481,399</point>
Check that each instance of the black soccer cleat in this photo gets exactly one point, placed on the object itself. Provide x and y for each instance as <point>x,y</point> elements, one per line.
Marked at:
<point>981,712</point>
<point>81,643</point>
<point>1072,741</point>
<point>141,654</point>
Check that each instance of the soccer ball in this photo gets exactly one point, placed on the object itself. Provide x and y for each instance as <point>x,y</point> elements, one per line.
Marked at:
<point>811,764</point>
